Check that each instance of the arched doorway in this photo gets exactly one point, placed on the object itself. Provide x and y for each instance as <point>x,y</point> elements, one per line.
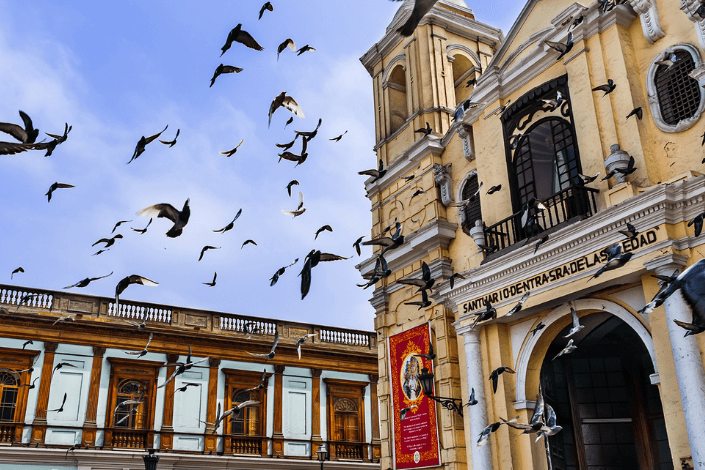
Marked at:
<point>610,412</point>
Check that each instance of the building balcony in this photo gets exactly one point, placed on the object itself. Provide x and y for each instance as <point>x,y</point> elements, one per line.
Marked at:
<point>563,208</point>
<point>47,305</point>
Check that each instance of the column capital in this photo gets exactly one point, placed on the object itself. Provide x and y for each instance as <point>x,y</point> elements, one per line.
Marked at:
<point>279,368</point>
<point>50,346</point>
<point>214,362</point>
<point>316,373</point>
<point>471,335</point>
<point>99,351</point>
<point>667,264</point>
<point>374,378</point>
<point>171,358</point>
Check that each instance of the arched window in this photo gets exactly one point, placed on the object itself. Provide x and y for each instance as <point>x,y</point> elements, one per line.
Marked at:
<point>246,422</point>
<point>8,396</point>
<point>545,160</point>
<point>132,415</point>
<point>470,212</point>
<point>347,423</point>
<point>463,70</point>
<point>676,99</point>
<point>678,94</point>
<point>396,87</point>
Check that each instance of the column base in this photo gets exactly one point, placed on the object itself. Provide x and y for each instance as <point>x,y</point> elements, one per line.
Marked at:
<point>90,430</point>
<point>278,445</point>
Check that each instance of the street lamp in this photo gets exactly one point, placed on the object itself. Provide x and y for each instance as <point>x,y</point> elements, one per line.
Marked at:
<point>322,454</point>
<point>150,460</point>
<point>426,379</point>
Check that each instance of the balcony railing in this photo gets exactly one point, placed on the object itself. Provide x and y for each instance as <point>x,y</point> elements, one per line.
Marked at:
<point>244,445</point>
<point>567,206</point>
<point>348,450</point>
<point>130,439</point>
<point>52,304</point>
<point>7,433</point>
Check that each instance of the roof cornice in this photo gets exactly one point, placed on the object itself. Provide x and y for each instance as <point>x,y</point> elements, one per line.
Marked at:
<point>444,17</point>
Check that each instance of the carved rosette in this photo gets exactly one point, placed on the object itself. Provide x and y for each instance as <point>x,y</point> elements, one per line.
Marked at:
<point>441,175</point>
<point>650,20</point>
<point>465,133</point>
<point>690,8</point>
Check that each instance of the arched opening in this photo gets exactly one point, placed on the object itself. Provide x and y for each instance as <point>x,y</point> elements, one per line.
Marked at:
<point>545,161</point>
<point>610,412</point>
<point>463,70</point>
<point>396,87</point>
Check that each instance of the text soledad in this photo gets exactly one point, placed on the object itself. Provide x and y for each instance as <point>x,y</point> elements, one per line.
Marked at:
<point>581,264</point>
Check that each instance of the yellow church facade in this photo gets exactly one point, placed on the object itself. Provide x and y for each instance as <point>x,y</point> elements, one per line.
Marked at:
<point>514,121</point>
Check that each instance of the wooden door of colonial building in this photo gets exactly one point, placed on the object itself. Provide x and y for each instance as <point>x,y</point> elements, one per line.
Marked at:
<point>610,411</point>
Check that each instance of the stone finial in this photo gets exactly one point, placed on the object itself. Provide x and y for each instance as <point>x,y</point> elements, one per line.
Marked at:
<point>618,159</point>
<point>478,233</point>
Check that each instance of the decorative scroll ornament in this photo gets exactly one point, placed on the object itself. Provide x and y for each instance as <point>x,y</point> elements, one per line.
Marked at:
<point>696,13</point>
<point>465,133</point>
<point>344,404</point>
<point>650,20</point>
<point>441,174</point>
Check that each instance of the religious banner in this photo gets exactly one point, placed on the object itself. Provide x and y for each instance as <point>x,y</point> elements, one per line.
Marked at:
<point>416,437</point>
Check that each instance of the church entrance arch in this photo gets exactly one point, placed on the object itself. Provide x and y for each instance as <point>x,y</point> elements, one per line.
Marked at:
<point>610,412</point>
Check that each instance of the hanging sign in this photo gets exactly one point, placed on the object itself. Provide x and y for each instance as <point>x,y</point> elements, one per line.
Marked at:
<point>416,437</point>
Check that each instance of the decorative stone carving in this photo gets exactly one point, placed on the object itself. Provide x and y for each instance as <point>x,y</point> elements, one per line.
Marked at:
<point>465,133</point>
<point>478,233</point>
<point>650,20</point>
<point>617,159</point>
<point>441,175</point>
<point>696,13</point>
<point>653,95</point>
<point>691,9</point>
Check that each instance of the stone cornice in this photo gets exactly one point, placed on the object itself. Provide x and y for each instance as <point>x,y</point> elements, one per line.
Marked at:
<point>435,234</point>
<point>662,204</point>
<point>447,19</point>
<point>502,77</point>
<point>411,157</point>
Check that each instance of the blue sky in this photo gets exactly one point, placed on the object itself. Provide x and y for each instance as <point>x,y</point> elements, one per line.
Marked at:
<point>118,70</point>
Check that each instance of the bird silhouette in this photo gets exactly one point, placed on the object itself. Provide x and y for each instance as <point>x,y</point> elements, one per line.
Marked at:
<point>180,218</point>
<point>243,37</point>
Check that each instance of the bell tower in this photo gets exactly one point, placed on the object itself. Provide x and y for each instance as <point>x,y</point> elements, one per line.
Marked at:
<point>416,80</point>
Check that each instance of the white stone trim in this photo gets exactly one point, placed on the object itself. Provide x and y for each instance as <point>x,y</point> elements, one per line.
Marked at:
<point>662,204</point>
<point>504,75</point>
<point>652,94</point>
<point>465,49</point>
<point>390,66</point>
<point>564,310</point>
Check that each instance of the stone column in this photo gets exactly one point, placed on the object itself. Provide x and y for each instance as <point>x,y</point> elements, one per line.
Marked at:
<point>316,411</point>
<point>211,439</point>
<point>166,434</point>
<point>480,456</point>
<point>39,425</point>
<point>689,364</point>
<point>374,413</point>
<point>278,436</point>
<point>90,426</point>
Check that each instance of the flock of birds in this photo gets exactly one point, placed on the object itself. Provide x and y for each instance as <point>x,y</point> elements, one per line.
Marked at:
<point>543,421</point>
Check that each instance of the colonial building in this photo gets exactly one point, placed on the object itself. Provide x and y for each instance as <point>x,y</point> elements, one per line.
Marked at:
<point>63,385</point>
<point>632,395</point>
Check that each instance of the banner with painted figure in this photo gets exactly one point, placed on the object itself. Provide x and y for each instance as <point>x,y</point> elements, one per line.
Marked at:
<point>416,437</point>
